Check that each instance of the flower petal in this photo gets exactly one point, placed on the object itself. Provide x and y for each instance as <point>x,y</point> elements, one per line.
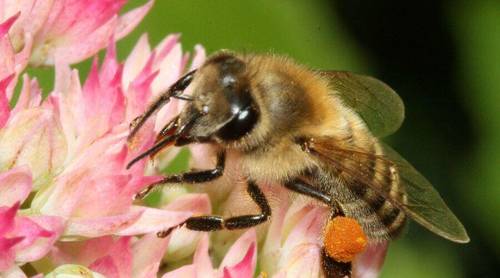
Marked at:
<point>7,216</point>
<point>33,137</point>
<point>117,262</point>
<point>84,188</point>
<point>103,104</point>
<point>168,62</point>
<point>15,186</point>
<point>135,61</point>
<point>153,220</point>
<point>100,226</point>
<point>245,246</point>
<point>301,259</point>
<point>201,258</point>
<point>107,266</point>
<point>73,270</point>
<point>30,95</point>
<point>75,30</point>
<point>5,26</point>
<point>14,272</point>
<point>40,233</point>
<point>301,251</point>
<point>183,242</point>
<point>308,229</point>
<point>7,251</point>
<point>199,57</point>
<point>148,252</point>
<point>271,249</point>
<point>128,21</point>
<point>201,266</point>
<point>76,49</point>
<point>369,263</point>
<point>246,267</point>
<point>7,63</point>
<point>4,101</point>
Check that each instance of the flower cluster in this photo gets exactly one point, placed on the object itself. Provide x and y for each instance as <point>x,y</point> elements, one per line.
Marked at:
<point>66,198</point>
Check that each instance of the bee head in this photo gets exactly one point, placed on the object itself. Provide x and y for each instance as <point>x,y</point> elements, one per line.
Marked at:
<point>222,108</point>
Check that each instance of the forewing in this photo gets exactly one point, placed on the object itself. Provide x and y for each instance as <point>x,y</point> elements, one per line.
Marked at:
<point>378,105</point>
<point>422,202</point>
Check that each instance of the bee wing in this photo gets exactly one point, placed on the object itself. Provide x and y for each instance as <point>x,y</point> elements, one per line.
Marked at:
<point>422,202</point>
<point>378,105</point>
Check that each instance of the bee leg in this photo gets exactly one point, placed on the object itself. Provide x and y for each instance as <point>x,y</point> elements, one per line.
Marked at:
<point>247,221</point>
<point>304,188</point>
<point>193,177</point>
<point>208,223</point>
<point>333,268</point>
<point>178,87</point>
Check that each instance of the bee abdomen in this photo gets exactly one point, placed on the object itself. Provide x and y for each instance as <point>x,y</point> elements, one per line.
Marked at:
<point>383,211</point>
<point>392,218</point>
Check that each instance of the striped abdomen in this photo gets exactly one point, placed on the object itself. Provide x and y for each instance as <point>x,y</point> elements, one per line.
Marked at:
<point>377,184</point>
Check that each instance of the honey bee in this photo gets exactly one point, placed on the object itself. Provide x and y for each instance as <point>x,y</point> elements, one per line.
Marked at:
<point>315,132</point>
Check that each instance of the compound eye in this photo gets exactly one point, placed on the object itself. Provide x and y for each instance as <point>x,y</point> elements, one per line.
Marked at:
<point>243,121</point>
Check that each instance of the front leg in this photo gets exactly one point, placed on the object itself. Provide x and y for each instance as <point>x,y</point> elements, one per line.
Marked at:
<point>193,177</point>
<point>209,223</point>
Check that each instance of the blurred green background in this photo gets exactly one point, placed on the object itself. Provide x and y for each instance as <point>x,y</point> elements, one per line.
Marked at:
<point>442,57</point>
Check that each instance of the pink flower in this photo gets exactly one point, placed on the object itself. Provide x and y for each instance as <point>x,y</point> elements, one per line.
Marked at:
<point>22,238</point>
<point>11,64</point>
<point>106,255</point>
<point>294,240</point>
<point>74,143</point>
<point>240,260</point>
<point>92,123</point>
<point>124,256</point>
<point>72,30</point>
<point>4,101</point>
<point>68,270</point>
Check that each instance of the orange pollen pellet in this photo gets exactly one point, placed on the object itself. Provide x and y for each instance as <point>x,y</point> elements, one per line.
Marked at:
<point>344,239</point>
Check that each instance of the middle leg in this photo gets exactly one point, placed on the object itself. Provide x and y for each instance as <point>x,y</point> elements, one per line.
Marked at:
<point>209,223</point>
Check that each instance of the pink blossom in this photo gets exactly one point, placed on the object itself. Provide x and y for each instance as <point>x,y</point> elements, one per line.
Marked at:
<point>106,255</point>
<point>70,29</point>
<point>4,101</point>
<point>74,144</point>
<point>22,238</point>
<point>369,263</point>
<point>294,240</point>
<point>12,62</point>
<point>69,270</point>
<point>124,256</point>
<point>93,121</point>
<point>240,260</point>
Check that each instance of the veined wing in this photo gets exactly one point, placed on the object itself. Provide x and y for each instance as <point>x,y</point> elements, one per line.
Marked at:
<point>414,194</point>
<point>378,105</point>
